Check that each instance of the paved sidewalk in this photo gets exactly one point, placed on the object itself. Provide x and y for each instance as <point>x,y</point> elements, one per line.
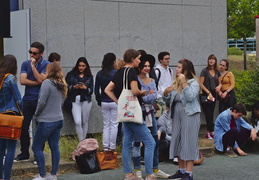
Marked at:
<point>21,170</point>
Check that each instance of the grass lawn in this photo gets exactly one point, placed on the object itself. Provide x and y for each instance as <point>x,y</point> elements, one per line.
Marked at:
<point>237,61</point>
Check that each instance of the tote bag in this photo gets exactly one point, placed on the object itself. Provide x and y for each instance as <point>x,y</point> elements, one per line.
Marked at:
<point>129,109</point>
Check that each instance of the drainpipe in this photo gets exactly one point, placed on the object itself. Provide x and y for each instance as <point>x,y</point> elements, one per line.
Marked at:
<point>257,38</point>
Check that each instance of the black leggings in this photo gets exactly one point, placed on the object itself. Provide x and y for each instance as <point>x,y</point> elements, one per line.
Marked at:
<point>232,136</point>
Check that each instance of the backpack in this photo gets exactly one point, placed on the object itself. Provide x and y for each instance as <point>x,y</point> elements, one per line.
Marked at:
<point>159,75</point>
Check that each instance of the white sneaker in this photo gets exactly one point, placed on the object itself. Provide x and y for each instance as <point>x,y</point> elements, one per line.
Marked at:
<point>161,174</point>
<point>138,173</point>
<point>52,177</point>
<point>38,177</point>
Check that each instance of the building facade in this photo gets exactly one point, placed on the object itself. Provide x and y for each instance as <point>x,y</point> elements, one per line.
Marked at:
<point>91,28</point>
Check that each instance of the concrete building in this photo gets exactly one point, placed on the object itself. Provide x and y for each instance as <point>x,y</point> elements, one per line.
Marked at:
<point>91,28</point>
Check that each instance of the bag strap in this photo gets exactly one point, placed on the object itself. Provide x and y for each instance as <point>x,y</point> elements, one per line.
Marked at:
<point>2,81</point>
<point>18,107</point>
<point>125,78</point>
<point>223,78</point>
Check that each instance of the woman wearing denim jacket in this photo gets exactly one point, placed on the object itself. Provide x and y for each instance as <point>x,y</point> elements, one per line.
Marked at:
<point>9,95</point>
<point>108,106</point>
<point>185,112</point>
<point>131,130</point>
<point>80,83</point>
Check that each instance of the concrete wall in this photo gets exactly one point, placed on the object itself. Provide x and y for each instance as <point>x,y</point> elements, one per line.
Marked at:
<point>91,28</point>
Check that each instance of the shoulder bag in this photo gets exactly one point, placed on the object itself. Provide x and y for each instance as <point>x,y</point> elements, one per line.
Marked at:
<point>129,109</point>
<point>227,97</point>
<point>10,122</point>
<point>107,160</point>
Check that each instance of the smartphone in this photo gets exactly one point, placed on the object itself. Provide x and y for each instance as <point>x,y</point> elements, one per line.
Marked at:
<point>81,83</point>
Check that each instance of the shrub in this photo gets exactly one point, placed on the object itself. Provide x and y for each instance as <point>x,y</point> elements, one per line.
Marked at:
<point>247,86</point>
<point>234,51</point>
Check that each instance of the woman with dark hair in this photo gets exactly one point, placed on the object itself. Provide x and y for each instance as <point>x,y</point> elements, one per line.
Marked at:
<point>225,89</point>
<point>108,106</point>
<point>185,112</point>
<point>80,83</point>
<point>54,57</point>
<point>149,85</point>
<point>131,130</point>
<point>9,96</point>
<point>209,81</point>
<point>50,119</point>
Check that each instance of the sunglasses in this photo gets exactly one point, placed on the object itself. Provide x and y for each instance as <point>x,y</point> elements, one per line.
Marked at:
<point>34,53</point>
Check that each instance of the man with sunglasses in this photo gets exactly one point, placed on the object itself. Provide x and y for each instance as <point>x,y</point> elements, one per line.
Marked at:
<point>31,76</point>
<point>231,131</point>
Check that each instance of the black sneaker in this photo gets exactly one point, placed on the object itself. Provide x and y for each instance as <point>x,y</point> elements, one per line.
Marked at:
<point>187,176</point>
<point>178,174</point>
<point>20,158</point>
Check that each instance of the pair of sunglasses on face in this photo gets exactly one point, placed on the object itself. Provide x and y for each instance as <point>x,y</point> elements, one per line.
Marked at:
<point>34,53</point>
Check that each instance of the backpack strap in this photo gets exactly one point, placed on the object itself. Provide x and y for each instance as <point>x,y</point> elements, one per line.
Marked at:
<point>158,77</point>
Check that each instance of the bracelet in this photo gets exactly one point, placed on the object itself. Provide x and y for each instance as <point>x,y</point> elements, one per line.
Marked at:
<point>227,91</point>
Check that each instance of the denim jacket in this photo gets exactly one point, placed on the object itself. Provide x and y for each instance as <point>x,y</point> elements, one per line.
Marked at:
<point>85,94</point>
<point>189,97</point>
<point>9,95</point>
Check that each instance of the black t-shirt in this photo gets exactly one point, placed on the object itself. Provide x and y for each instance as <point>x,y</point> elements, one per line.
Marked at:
<point>118,81</point>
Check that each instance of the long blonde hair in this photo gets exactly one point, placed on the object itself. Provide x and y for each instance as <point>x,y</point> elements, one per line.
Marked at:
<point>55,73</point>
<point>189,72</point>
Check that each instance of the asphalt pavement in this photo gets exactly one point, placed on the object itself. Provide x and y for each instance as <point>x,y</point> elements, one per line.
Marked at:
<point>215,167</point>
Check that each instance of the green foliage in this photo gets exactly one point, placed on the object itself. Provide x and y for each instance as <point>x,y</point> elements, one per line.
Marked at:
<point>247,86</point>
<point>234,51</point>
<point>240,18</point>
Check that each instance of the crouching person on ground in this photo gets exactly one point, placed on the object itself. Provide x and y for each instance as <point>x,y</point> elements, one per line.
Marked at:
<point>229,136</point>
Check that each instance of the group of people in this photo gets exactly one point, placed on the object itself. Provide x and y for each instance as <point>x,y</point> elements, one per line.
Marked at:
<point>217,84</point>
<point>170,105</point>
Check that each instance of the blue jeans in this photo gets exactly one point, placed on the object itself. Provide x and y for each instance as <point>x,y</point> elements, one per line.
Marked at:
<point>136,146</point>
<point>10,146</point>
<point>132,130</point>
<point>47,131</point>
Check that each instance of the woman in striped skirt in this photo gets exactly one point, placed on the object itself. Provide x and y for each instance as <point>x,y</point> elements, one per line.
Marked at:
<point>185,112</point>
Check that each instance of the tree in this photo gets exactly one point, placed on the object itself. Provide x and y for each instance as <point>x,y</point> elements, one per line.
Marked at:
<point>240,19</point>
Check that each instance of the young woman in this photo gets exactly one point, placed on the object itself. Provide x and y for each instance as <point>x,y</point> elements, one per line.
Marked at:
<point>80,82</point>
<point>108,106</point>
<point>131,130</point>
<point>149,85</point>
<point>50,119</point>
<point>185,112</point>
<point>225,89</point>
<point>209,81</point>
<point>9,96</point>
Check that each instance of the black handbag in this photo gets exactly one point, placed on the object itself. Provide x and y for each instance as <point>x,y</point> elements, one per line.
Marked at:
<point>204,99</point>
<point>67,104</point>
<point>87,163</point>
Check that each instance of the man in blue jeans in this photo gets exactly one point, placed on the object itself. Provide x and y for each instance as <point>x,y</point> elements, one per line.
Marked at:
<point>31,76</point>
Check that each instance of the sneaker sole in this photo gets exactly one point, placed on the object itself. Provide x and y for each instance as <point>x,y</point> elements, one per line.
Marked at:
<point>161,177</point>
<point>24,160</point>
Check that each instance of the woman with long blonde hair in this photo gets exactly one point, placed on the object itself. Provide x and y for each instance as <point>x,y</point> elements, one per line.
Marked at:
<point>50,119</point>
<point>185,112</point>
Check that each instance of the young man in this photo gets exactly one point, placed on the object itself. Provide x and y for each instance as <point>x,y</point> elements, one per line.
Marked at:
<point>164,79</point>
<point>228,133</point>
<point>32,75</point>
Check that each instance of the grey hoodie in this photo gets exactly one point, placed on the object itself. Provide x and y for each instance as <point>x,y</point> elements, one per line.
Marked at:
<point>49,102</point>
